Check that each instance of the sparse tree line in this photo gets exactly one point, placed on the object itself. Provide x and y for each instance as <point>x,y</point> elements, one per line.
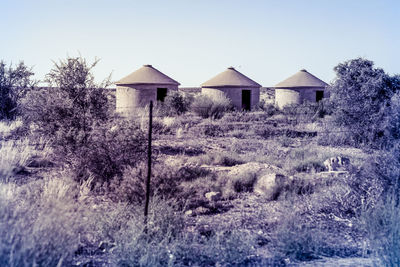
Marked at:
<point>363,100</point>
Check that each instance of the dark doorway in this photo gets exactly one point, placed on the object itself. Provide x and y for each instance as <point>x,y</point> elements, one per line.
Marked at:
<point>246,99</point>
<point>161,94</point>
<point>319,95</point>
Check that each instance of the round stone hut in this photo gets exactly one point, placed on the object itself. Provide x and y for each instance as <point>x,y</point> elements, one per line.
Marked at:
<point>243,92</point>
<point>142,86</point>
<point>298,88</point>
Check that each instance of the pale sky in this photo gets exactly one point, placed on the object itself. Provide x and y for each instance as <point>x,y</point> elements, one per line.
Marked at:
<point>192,41</point>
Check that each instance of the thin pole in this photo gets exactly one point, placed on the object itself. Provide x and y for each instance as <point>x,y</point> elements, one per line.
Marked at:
<point>146,206</point>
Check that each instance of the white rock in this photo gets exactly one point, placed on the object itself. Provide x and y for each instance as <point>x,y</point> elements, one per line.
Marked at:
<point>270,185</point>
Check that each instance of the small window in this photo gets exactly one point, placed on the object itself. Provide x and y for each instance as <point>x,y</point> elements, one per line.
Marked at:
<point>319,95</point>
<point>161,94</point>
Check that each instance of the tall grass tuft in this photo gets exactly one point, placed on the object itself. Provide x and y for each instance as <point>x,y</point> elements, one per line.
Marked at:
<point>14,156</point>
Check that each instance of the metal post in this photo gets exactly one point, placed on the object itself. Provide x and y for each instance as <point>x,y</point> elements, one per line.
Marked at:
<point>146,206</point>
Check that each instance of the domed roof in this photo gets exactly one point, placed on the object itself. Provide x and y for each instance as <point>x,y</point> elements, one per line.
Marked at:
<point>147,75</point>
<point>301,79</point>
<point>230,78</point>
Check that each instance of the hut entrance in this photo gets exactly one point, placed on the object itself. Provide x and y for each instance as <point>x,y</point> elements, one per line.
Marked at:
<point>319,95</point>
<point>161,94</point>
<point>246,99</point>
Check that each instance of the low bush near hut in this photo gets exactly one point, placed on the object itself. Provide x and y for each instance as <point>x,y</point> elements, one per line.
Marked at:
<point>176,103</point>
<point>206,107</point>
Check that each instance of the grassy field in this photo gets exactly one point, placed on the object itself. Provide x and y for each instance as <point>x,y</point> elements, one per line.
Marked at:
<point>274,204</point>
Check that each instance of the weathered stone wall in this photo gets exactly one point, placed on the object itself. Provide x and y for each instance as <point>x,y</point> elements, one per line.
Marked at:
<point>234,94</point>
<point>128,98</point>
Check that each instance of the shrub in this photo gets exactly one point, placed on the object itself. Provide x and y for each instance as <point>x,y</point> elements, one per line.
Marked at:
<point>14,84</point>
<point>176,103</point>
<point>67,112</point>
<point>269,109</point>
<point>299,240</point>
<point>75,117</point>
<point>165,182</point>
<point>207,107</point>
<point>213,130</point>
<point>286,141</point>
<point>244,183</point>
<point>109,149</point>
<point>222,159</point>
<point>361,93</point>
<point>382,224</point>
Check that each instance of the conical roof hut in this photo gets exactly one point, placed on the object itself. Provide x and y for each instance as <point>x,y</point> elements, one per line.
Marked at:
<point>147,75</point>
<point>298,88</point>
<point>230,78</point>
<point>243,92</point>
<point>140,87</point>
<point>301,79</point>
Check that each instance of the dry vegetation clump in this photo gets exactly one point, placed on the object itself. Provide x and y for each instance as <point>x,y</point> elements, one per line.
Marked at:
<point>245,116</point>
<point>175,104</point>
<point>17,155</point>
<point>218,159</point>
<point>108,150</point>
<point>168,183</point>
<point>9,128</point>
<point>213,108</point>
<point>39,223</point>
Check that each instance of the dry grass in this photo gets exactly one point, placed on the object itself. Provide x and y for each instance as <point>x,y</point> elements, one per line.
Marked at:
<point>56,221</point>
<point>14,156</point>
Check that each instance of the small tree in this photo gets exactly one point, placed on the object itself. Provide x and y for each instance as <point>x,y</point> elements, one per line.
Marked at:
<point>14,83</point>
<point>360,94</point>
<point>69,108</point>
<point>74,114</point>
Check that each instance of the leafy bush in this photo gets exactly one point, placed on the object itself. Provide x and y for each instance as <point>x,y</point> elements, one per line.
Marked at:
<point>109,149</point>
<point>361,93</point>
<point>75,117</point>
<point>14,84</point>
<point>67,112</point>
<point>207,107</point>
<point>176,103</point>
